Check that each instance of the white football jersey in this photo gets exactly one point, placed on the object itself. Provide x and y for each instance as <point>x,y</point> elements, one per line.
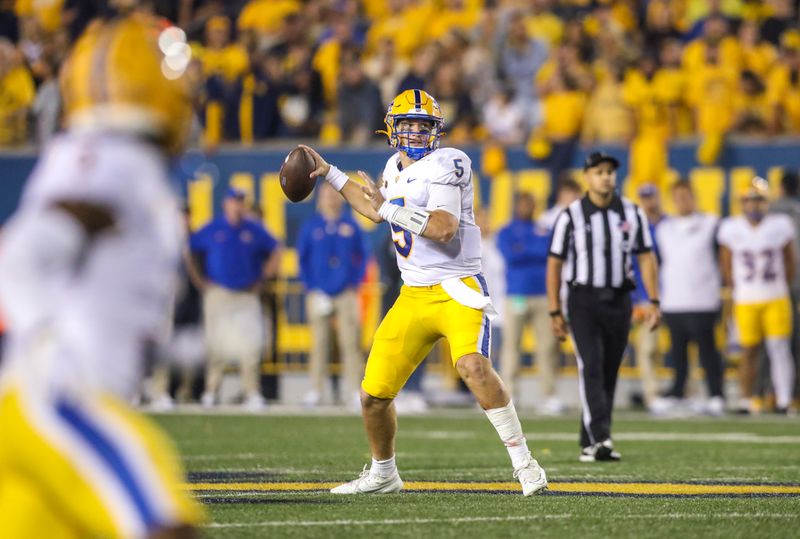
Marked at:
<point>103,314</point>
<point>759,274</point>
<point>425,262</point>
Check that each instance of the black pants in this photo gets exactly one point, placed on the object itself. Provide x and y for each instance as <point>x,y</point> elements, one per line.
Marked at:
<point>600,324</point>
<point>697,327</point>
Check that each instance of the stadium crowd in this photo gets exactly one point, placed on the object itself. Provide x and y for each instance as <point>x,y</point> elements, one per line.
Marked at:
<point>541,73</point>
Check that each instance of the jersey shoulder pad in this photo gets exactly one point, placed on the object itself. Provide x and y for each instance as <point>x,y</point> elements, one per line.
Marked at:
<point>454,166</point>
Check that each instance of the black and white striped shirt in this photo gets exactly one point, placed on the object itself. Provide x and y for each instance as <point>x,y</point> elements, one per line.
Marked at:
<point>598,243</point>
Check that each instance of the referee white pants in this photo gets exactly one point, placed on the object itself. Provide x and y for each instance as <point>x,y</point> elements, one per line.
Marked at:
<point>234,325</point>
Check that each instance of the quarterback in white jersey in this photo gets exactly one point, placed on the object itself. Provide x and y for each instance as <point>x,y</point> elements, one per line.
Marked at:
<point>88,270</point>
<point>757,261</point>
<point>427,184</point>
<point>425,193</point>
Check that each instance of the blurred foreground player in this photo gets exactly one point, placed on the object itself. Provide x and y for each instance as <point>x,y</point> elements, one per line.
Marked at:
<point>426,195</point>
<point>88,271</point>
<point>757,261</point>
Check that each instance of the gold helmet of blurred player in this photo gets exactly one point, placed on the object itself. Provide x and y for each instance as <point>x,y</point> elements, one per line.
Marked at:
<point>414,105</point>
<point>118,78</point>
<point>757,190</point>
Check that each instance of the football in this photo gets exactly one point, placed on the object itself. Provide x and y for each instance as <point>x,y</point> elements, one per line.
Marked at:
<point>295,180</point>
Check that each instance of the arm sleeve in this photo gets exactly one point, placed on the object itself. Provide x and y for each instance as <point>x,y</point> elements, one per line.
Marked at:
<point>643,242</point>
<point>445,197</point>
<point>562,231</point>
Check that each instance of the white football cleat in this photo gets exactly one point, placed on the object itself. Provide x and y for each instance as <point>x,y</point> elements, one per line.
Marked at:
<point>208,400</point>
<point>163,403</point>
<point>532,477</point>
<point>368,483</point>
<point>254,402</point>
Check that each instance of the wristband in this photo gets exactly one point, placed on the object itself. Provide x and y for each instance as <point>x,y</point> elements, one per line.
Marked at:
<point>387,211</point>
<point>557,312</point>
<point>655,302</point>
<point>336,178</point>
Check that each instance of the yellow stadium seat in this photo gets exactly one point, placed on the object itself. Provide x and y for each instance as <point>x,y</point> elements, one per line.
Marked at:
<point>243,181</point>
<point>289,263</point>
<point>273,204</point>
<point>774,176</point>
<point>201,201</point>
<point>708,184</point>
<point>500,200</point>
<point>670,178</point>
<point>536,182</point>
<point>528,341</point>
<point>741,178</point>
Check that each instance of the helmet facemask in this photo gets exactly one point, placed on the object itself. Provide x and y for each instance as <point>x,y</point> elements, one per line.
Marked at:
<point>414,135</point>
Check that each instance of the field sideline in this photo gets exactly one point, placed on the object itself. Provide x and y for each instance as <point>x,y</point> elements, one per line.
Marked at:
<point>268,475</point>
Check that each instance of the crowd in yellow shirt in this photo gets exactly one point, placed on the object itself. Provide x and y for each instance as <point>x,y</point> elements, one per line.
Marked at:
<point>602,72</point>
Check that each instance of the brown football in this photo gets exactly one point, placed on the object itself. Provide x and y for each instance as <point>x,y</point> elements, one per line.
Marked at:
<point>295,180</point>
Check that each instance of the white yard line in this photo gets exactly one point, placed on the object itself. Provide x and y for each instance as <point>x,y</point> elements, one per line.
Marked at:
<point>520,518</point>
<point>533,437</point>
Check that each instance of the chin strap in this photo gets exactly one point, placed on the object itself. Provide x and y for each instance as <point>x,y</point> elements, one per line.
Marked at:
<point>414,221</point>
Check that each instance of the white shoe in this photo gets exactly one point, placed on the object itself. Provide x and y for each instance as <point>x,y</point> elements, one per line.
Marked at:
<point>410,403</point>
<point>663,406</point>
<point>715,407</point>
<point>368,483</point>
<point>552,407</point>
<point>163,403</point>
<point>532,477</point>
<point>208,400</point>
<point>312,399</point>
<point>254,402</point>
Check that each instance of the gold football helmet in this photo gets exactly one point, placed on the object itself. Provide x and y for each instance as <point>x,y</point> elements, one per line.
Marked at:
<point>414,105</point>
<point>117,77</point>
<point>757,190</point>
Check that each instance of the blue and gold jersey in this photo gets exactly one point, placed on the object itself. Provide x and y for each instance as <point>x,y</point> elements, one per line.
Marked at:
<point>425,262</point>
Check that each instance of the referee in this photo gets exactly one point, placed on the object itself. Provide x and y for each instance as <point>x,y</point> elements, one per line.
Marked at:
<point>594,240</point>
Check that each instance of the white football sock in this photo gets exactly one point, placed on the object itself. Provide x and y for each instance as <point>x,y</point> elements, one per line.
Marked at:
<point>383,468</point>
<point>781,370</point>
<point>506,422</point>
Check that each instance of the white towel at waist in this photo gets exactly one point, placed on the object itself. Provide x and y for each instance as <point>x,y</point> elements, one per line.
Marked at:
<point>459,291</point>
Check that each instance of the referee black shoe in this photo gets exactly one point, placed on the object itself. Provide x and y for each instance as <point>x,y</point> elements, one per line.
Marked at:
<point>600,452</point>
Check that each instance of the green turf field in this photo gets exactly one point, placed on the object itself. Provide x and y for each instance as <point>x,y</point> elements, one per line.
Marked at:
<point>266,476</point>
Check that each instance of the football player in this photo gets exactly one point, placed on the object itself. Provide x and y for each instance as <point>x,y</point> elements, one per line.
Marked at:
<point>88,267</point>
<point>757,261</point>
<point>425,193</point>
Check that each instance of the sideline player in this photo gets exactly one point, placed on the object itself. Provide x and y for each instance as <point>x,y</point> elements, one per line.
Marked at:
<point>426,195</point>
<point>88,267</point>
<point>757,261</point>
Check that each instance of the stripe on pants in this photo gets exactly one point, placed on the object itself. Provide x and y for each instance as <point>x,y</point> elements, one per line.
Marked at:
<point>112,458</point>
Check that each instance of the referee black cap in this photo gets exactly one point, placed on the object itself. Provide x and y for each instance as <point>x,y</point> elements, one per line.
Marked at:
<point>595,158</point>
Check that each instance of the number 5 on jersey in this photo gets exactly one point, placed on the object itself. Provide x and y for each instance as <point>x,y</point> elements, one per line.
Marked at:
<point>403,240</point>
